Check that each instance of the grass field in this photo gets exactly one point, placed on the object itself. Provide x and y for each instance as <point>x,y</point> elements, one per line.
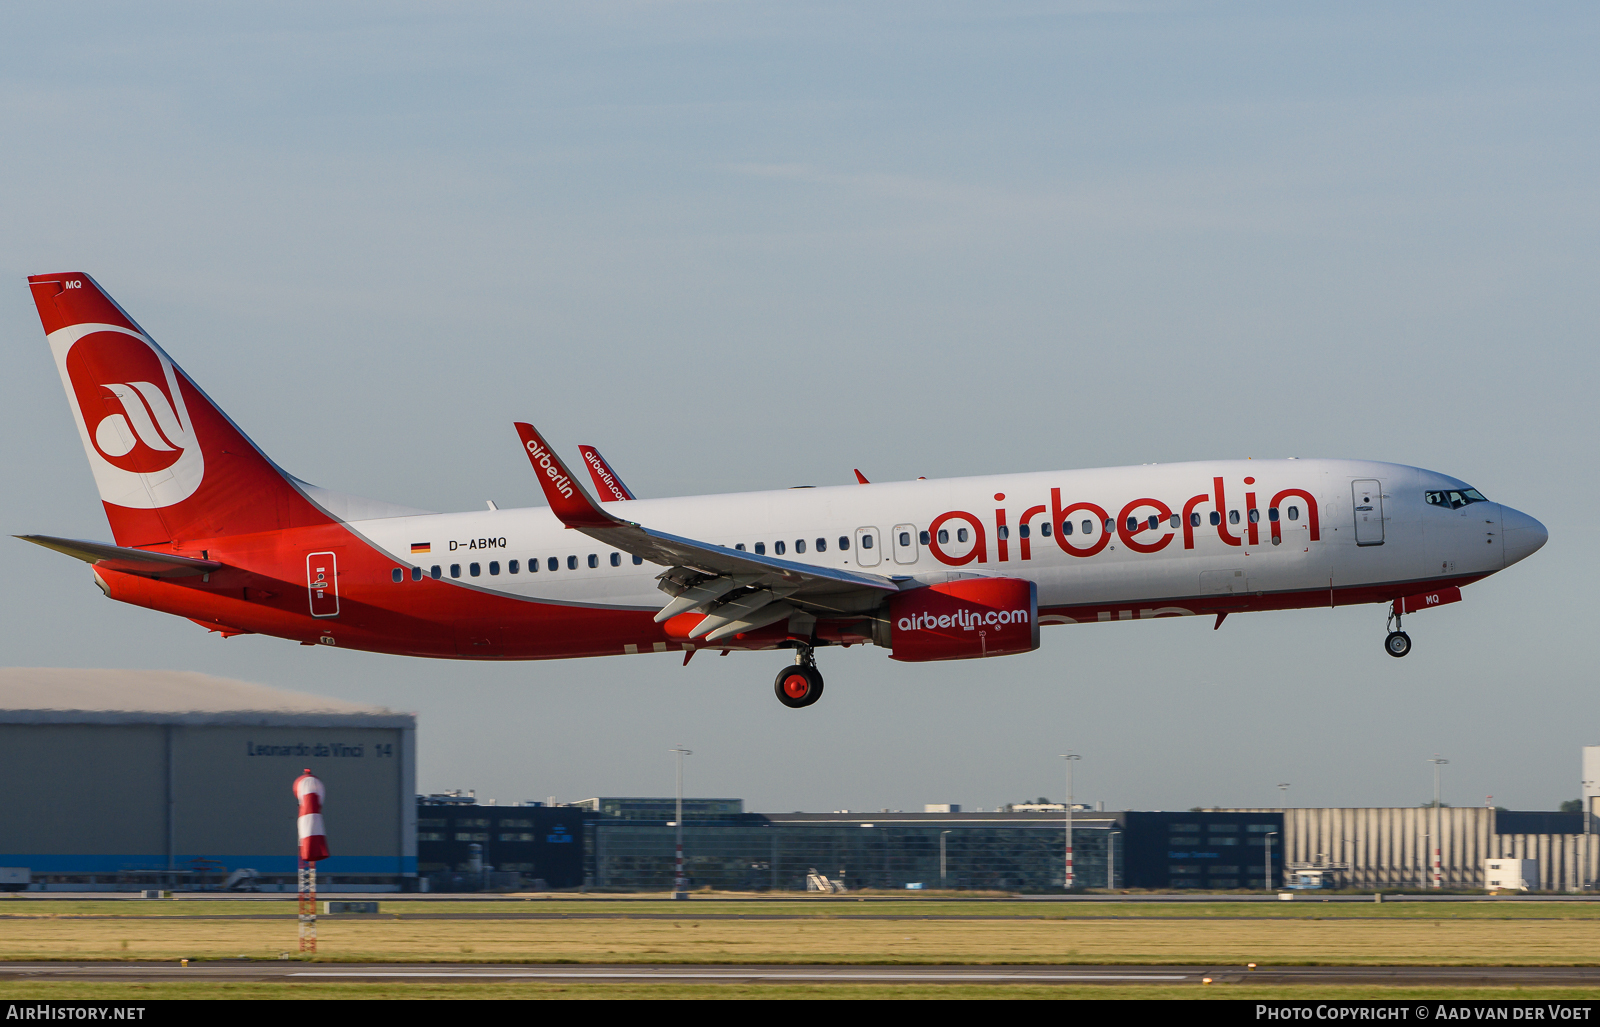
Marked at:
<point>1548,934</point>
<point>835,908</point>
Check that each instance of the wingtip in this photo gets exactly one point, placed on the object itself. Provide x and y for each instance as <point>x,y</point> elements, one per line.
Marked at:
<point>568,499</point>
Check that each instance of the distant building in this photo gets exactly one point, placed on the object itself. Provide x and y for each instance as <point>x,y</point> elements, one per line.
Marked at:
<point>139,778</point>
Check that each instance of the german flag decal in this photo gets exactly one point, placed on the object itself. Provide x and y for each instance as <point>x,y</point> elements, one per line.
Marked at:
<point>422,547</point>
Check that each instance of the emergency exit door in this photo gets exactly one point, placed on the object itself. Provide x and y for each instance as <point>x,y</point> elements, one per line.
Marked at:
<point>1367,496</point>
<point>322,583</point>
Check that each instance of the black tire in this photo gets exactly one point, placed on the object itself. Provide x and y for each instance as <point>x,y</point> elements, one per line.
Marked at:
<point>1397,644</point>
<point>798,687</point>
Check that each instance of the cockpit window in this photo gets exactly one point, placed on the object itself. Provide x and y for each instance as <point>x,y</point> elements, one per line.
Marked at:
<point>1454,499</point>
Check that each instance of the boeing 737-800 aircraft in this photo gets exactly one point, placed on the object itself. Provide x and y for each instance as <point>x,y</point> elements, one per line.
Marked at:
<point>208,528</point>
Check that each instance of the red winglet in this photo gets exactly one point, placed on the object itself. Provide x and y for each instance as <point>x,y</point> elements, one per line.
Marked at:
<point>606,483</point>
<point>567,498</point>
<point>861,479</point>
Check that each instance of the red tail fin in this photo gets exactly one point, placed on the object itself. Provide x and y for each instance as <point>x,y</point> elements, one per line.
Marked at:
<point>169,463</point>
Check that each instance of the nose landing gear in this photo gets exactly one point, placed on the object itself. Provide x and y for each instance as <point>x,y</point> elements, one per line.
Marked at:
<point>1398,643</point>
<point>801,685</point>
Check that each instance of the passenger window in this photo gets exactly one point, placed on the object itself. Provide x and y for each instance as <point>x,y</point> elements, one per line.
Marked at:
<point>594,561</point>
<point>433,572</point>
<point>494,566</point>
<point>944,537</point>
<point>1110,525</point>
<point>399,575</point>
<point>1272,514</point>
<point>1088,527</point>
<point>1002,532</point>
<point>905,539</point>
<point>922,537</point>
<point>739,546</point>
<point>1155,522</point>
<point>1255,516</point>
<point>572,563</point>
<point>1194,519</point>
<point>866,541</point>
<point>761,549</point>
<point>1044,529</point>
<point>474,569</point>
<point>1066,527</point>
<point>961,534</point>
<point>533,566</point>
<point>1233,517</point>
<point>1133,524</point>
<point>1216,518</point>
<point>511,567</point>
<point>778,548</point>
<point>1294,513</point>
<point>553,563</point>
<point>844,543</point>
<point>455,570</point>
<point>822,545</point>
<point>616,559</point>
<point>637,560</point>
<point>416,574</point>
<point>800,545</point>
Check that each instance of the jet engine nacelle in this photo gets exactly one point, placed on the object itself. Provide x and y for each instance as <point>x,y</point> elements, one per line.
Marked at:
<point>963,620</point>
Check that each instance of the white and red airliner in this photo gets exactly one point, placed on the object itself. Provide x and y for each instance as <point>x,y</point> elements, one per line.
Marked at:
<point>208,528</point>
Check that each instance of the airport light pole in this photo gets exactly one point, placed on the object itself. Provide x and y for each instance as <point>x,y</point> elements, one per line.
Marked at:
<point>1068,878</point>
<point>941,860</point>
<point>1268,884</point>
<point>680,884</point>
<point>1438,822</point>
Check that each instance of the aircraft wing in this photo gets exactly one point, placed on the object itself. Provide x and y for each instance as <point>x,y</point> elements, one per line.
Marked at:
<point>121,558</point>
<point>734,590</point>
<point>606,481</point>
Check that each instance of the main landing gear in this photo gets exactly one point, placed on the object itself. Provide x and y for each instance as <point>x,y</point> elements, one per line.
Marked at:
<point>801,685</point>
<point>1398,643</point>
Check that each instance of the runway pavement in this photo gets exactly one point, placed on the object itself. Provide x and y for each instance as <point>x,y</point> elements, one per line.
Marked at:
<point>293,971</point>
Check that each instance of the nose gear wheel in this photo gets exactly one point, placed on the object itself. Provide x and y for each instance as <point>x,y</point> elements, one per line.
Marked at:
<point>1398,643</point>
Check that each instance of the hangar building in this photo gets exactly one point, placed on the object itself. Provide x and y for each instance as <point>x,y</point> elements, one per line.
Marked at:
<point>164,778</point>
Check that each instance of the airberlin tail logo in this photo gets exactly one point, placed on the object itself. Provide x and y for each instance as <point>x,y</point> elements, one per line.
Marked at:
<point>146,419</point>
<point>136,429</point>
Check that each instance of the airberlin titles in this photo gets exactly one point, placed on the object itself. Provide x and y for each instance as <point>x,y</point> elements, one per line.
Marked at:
<point>1135,519</point>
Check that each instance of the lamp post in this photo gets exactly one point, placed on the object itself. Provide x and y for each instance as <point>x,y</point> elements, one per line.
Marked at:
<point>680,884</point>
<point>941,860</point>
<point>1068,878</point>
<point>1438,822</point>
<point>1268,883</point>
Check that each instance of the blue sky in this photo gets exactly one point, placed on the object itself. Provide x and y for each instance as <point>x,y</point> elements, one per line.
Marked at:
<point>742,246</point>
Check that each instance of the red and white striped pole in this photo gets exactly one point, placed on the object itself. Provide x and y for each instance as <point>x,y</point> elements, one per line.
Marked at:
<point>308,791</point>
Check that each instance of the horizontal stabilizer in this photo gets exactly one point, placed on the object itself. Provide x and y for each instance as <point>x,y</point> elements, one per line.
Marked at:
<point>121,558</point>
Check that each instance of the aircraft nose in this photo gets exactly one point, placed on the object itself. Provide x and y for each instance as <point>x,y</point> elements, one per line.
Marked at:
<point>1523,535</point>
